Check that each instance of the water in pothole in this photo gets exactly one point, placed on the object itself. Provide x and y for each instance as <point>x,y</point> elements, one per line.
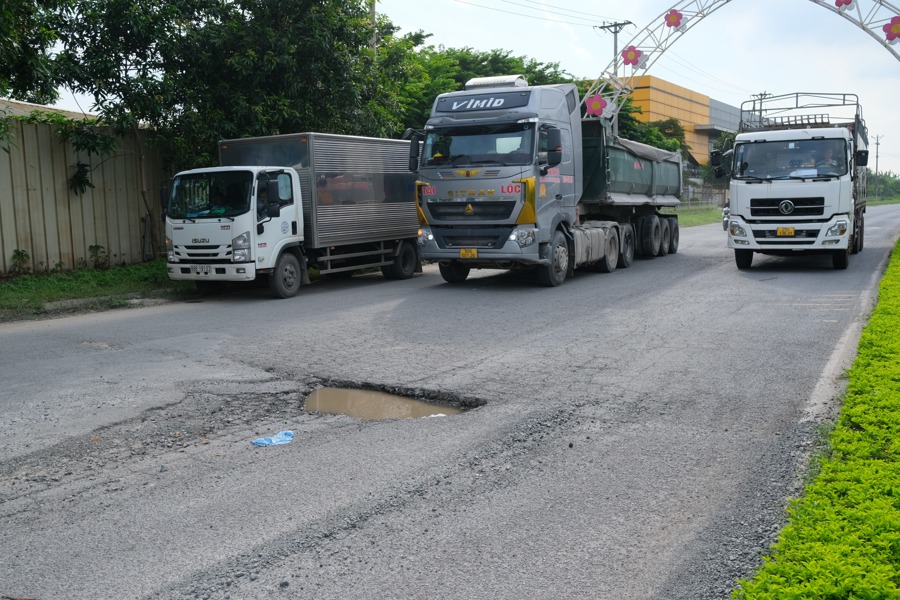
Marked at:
<point>373,406</point>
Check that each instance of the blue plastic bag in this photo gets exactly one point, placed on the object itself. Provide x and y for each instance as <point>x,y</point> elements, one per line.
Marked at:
<point>284,437</point>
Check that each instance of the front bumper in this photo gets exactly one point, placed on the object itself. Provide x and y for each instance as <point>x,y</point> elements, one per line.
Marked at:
<point>484,247</point>
<point>788,236</point>
<point>212,272</point>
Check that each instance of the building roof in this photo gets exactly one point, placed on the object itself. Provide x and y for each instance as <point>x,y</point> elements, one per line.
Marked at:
<point>15,108</point>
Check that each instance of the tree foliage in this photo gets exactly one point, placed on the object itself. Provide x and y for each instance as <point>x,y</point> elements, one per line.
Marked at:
<point>27,36</point>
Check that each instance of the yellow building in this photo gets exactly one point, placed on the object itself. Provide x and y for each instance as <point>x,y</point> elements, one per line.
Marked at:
<point>703,118</point>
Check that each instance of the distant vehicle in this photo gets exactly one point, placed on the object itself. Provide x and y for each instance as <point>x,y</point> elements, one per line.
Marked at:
<point>798,177</point>
<point>279,205</point>
<point>511,177</point>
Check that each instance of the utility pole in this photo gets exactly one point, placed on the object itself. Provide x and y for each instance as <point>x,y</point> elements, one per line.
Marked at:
<point>761,96</point>
<point>615,28</point>
<point>877,144</point>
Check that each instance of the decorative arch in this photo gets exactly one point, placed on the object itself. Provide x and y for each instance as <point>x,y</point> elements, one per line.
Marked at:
<point>880,19</point>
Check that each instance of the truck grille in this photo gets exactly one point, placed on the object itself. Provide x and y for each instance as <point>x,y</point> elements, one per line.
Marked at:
<point>480,210</point>
<point>803,207</point>
<point>203,253</point>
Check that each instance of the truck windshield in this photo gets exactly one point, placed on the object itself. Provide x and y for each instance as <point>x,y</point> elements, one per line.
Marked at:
<point>506,144</point>
<point>210,195</point>
<point>787,159</point>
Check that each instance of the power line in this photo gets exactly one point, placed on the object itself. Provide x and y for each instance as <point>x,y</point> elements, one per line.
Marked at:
<point>540,18</point>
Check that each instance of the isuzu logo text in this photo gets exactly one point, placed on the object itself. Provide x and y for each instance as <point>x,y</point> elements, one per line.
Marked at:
<point>200,240</point>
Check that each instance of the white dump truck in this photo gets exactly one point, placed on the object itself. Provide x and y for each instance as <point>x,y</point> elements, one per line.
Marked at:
<point>798,178</point>
<point>280,205</point>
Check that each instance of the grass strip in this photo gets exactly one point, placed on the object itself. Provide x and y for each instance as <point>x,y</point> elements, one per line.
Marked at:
<point>842,541</point>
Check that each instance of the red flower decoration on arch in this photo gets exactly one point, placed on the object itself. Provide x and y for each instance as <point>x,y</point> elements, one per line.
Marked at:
<point>631,55</point>
<point>596,104</point>
<point>892,30</point>
<point>843,4</point>
<point>673,18</point>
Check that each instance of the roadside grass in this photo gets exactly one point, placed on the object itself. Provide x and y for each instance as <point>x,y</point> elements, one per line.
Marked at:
<point>842,540</point>
<point>110,288</point>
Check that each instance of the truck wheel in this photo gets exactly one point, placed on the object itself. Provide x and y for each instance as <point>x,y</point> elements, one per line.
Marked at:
<point>840,259</point>
<point>862,232</point>
<point>610,260</point>
<point>626,257</point>
<point>743,259</point>
<point>650,236</point>
<point>554,274</point>
<point>664,237</point>
<point>453,271</point>
<point>858,238</point>
<point>284,280</point>
<point>674,235</point>
<point>404,265</point>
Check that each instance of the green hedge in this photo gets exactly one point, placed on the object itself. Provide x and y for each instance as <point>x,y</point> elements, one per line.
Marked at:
<point>842,541</point>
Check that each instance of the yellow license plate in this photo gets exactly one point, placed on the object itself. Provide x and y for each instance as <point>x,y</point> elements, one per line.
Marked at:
<point>468,252</point>
<point>785,232</point>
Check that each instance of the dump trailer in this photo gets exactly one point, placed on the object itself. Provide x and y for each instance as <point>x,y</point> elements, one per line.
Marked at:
<point>510,176</point>
<point>280,205</point>
<point>798,178</point>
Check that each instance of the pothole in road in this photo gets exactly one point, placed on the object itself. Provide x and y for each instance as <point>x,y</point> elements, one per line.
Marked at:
<point>373,405</point>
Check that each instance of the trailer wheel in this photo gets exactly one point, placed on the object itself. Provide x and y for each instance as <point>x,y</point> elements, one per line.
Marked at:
<point>743,259</point>
<point>626,257</point>
<point>862,232</point>
<point>453,271</point>
<point>858,238</point>
<point>650,236</point>
<point>554,274</point>
<point>611,259</point>
<point>404,265</point>
<point>284,280</point>
<point>664,237</point>
<point>840,259</point>
<point>674,235</point>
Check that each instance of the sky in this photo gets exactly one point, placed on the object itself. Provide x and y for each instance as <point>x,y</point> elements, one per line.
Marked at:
<point>739,49</point>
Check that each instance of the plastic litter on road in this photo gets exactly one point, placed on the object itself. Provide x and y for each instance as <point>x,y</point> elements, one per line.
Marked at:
<point>283,437</point>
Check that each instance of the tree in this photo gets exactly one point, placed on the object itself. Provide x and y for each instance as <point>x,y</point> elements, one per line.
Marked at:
<point>27,37</point>
<point>444,69</point>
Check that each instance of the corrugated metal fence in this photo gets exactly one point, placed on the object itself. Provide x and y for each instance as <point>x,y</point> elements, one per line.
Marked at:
<point>57,227</point>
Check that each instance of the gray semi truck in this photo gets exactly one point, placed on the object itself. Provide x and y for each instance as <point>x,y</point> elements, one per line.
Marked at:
<point>511,176</point>
<point>280,205</point>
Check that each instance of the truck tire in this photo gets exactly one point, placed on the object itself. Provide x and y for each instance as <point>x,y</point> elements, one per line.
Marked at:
<point>638,226</point>
<point>858,238</point>
<point>862,233</point>
<point>664,237</point>
<point>743,259</point>
<point>285,278</point>
<point>650,236</point>
<point>554,274</point>
<point>626,247</point>
<point>610,260</point>
<point>840,259</point>
<point>404,265</point>
<point>453,271</point>
<point>674,235</point>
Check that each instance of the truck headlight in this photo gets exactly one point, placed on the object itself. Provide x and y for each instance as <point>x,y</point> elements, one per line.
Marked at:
<point>838,229</point>
<point>425,236</point>
<point>170,250</point>
<point>736,230</point>
<point>240,247</point>
<point>523,237</point>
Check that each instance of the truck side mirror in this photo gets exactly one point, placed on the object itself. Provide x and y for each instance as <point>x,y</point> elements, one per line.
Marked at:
<point>715,158</point>
<point>862,158</point>
<point>414,152</point>
<point>554,146</point>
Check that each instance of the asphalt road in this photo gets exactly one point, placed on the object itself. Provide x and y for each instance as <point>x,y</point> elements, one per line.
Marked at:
<point>633,435</point>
